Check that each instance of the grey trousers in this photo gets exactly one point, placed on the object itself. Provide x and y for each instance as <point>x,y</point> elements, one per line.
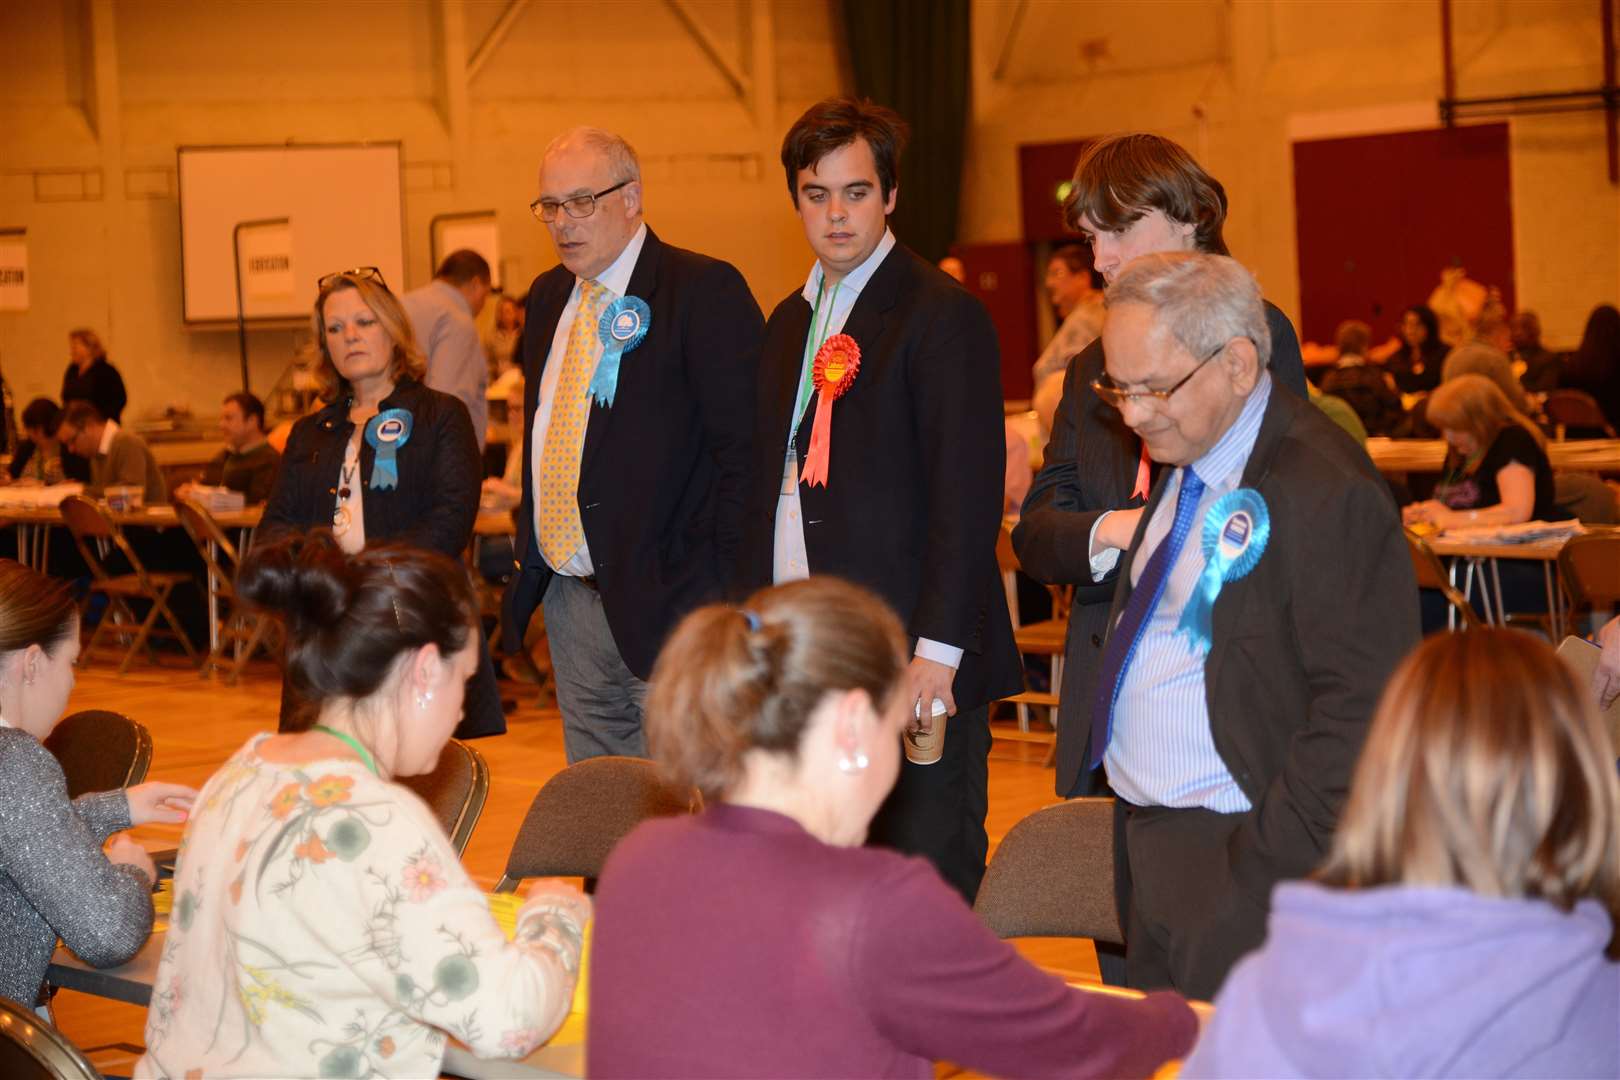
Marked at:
<point>601,701</point>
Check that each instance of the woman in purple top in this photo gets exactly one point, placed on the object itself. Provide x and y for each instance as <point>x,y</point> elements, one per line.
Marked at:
<point>760,939</point>
<point>1467,922</point>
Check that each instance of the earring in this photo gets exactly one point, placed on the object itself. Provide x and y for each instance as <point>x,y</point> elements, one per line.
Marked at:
<point>859,764</point>
<point>422,698</point>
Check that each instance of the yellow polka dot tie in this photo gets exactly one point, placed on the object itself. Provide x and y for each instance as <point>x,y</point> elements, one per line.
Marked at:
<point>561,532</point>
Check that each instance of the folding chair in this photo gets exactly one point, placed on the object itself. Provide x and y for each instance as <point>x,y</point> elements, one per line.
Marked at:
<point>31,1049</point>
<point>244,629</point>
<point>1044,638</point>
<point>582,812</point>
<point>1432,575</point>
<point>100,751</point>
<point>1589,566</point>
<point>1578,410</point>
<point>88,522</point>
<point>455,791</point>
<point>1053,876</point>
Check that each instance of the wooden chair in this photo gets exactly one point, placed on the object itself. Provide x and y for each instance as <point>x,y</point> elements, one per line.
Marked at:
<point>1044,638</point>
<point>455,791</point>
<point>243,629</point>
<point>1575,409</point>
<point>1053,876</point>
<point>100,751</point>
<point>582,812</point>
<point>1589,566</point>
<point>1432,575</point>
<point>94,531</point>
<point>31,1049</point>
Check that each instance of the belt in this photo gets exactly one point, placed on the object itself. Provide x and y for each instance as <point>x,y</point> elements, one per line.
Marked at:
<point>588,582</point>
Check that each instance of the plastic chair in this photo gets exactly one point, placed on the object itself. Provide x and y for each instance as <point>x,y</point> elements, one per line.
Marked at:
<point>1053,876</point>
<point>1575,409</point>
<point>88,521</point>
<point>1432,575</point>
<point>455,791</point>
<point>31,1049</point>
<point>581,813</point>
<point>247,630</point>
<point>100,751</point>
<point>1589,566</point>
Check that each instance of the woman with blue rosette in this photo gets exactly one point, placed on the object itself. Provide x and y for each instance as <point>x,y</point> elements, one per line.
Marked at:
<point>388,458</point>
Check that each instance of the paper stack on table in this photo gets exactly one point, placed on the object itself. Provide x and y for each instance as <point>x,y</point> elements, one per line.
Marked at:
<point>216,500</point>
<point>26,497</point>
<point>1527,533</point>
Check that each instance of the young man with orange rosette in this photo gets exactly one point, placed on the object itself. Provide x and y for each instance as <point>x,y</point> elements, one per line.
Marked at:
<point>879,457</point>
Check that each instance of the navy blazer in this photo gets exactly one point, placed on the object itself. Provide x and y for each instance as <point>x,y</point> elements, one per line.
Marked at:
<point>663,470</point>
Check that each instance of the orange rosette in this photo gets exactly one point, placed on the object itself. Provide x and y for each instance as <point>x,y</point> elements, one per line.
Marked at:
<point>837,363</point>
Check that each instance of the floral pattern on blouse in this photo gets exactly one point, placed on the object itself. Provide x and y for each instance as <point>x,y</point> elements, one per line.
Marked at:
<point>323,926</point>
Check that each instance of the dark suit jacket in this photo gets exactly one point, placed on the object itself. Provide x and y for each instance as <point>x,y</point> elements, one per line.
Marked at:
<point>663,471</point>
<point>912,506</point>
<point>1305,642</point>
<point>1089,468</point>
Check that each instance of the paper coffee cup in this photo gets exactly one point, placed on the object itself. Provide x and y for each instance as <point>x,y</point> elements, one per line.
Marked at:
<point>926,747</point>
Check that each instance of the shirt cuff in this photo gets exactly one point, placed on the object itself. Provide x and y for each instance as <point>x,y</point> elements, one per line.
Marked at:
<point>939,653</point>
<point>1102,563</point>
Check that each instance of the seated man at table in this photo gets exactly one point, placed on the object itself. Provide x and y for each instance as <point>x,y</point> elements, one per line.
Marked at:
<point>248,463</point>
<point>117,457</point>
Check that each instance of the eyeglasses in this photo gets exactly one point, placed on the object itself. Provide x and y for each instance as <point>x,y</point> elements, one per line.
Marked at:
<point>579,206</point>
<point>368,273</point>
<point>1117,395</point>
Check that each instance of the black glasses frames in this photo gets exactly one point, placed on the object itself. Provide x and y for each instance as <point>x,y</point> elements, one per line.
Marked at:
<point>578,206</point>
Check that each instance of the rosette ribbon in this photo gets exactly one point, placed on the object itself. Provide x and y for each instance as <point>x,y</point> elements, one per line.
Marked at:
<point>623,326</point>
<point>1236,530</point>
<point>837,362</point>
<point>387,432</point>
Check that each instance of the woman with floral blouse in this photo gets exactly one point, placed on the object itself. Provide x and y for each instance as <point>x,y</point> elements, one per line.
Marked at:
<point>322,924</point>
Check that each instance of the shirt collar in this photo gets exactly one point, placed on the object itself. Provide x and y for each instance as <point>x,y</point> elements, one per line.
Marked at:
<point>616,278</point>
<point>107,434</point>
<point>1221,467</point>
<point>857,278</point>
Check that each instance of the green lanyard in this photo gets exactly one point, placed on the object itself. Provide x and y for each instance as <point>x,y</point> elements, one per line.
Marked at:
<point>354,744</point>
<point>812,343</point>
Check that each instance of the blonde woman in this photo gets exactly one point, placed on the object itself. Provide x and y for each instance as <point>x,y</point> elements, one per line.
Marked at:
<point>1467,922</point>
<point>1497,472</point>
<point>387,458</point>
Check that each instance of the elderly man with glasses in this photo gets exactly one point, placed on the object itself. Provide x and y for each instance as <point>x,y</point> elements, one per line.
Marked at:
<point>639,364</point>
<point>1265,597</point>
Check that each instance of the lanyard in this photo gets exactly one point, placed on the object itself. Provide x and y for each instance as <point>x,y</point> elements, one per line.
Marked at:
<point>812,343</point>
<point>354,744</point>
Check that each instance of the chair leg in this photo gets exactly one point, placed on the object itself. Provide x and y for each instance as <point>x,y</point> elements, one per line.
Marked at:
<point>174,626</point>
<point>143,635</point>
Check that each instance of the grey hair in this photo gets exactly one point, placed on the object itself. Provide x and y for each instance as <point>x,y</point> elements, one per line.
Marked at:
<point>621,156</point>
<point>1203,300</point>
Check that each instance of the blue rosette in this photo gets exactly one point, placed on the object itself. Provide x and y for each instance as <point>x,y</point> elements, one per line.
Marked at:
<point>386,433</point>
<point>622,327</point>
<point>1236,530</point>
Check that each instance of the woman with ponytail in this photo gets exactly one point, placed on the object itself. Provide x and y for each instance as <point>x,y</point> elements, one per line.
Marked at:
<point>323,925</point>
<point>759,938</point>
<point>55,880</point>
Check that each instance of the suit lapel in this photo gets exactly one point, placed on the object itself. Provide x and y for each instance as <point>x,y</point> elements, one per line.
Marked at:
<point>782,371</point>
<point>643,283</point>
<point>866,322</point>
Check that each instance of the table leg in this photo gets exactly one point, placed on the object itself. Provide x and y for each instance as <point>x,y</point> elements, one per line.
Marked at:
<point>213,602</point>
<point>1553,612</point>
<point>1496,583</point>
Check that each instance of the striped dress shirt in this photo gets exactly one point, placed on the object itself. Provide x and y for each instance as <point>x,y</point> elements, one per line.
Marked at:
<point>1161,752</point>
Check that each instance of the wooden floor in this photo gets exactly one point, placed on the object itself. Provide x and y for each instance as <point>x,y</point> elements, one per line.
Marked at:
<point>197,724</point>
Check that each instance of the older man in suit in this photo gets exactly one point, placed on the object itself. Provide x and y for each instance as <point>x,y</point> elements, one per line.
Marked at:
<point>640,363</point>
<point>878,458</point>
<point>1265,598</point>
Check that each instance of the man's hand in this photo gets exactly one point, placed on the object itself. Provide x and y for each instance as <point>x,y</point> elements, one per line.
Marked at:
<point>1116,530</point>
<point>925,681</point>
<point>1606,678</point>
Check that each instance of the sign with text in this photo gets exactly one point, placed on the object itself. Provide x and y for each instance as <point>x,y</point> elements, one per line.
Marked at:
<point>267,262</point>
<point>13,275</point>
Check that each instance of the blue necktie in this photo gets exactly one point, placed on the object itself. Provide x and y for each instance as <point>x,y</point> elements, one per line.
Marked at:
<point>1144,598</point>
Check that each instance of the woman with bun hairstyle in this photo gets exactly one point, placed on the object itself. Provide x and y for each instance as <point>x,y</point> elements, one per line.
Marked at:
<point>387,459</point>
<point>55,880</point>
<point>1467,921</point>
<point>820,957</point>
<point>323,925</point>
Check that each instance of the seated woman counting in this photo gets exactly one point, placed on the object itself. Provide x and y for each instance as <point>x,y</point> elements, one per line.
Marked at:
<point>322,924</point>
<point>759,938</point>
<point>387,459</point>
<point>55,880</point>
<point>1467,921</point>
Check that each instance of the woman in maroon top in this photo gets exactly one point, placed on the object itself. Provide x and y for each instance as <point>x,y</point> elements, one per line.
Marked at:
<point>760,939</point>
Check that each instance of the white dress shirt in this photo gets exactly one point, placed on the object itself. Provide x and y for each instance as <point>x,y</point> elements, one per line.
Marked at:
<point>791,559</point>
<point>615,279</point>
